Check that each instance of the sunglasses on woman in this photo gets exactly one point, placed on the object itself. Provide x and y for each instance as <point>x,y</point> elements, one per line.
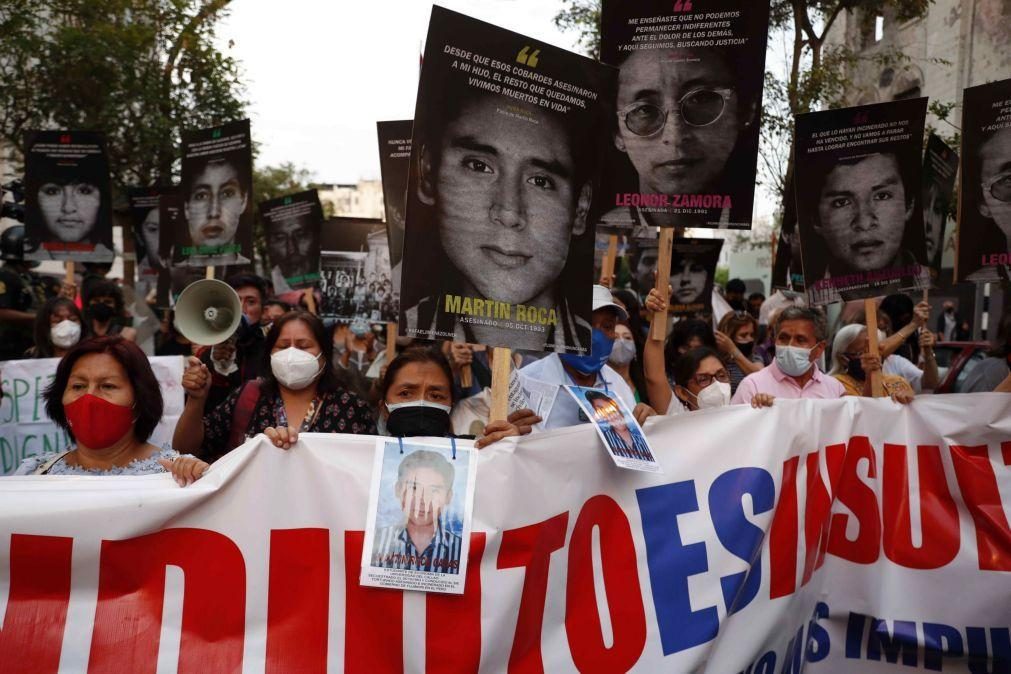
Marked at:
<point>700,107</point>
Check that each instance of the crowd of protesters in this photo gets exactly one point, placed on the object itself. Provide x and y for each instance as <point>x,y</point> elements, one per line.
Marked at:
<point>286,372</point>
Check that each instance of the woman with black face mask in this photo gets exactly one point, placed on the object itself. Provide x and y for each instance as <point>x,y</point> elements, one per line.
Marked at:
<point>104,311</point>
<point>416,399</point>
<point>735,339</point>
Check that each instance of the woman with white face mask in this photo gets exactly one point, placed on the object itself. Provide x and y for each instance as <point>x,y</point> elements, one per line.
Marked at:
<point>58,327</point>
<point>300,393</point>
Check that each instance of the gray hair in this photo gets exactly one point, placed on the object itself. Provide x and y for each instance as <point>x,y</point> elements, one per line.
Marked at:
<point>815,316</point>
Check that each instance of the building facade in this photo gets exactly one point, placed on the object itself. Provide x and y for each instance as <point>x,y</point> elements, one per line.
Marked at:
<point>363,199</point>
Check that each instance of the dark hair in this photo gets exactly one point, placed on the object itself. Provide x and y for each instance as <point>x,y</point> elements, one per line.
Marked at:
<point>598,395</point>
<point>327,381</point>
<point>681,334</point>
<point>756,296</point>
<point>147,400</point>
<point>688,364</point>
<point>43,340</point>
<point>249,280</point>
<point>411,355</point>
<point>736,285</point>
<point>104,288</point>
<point>274,302</point>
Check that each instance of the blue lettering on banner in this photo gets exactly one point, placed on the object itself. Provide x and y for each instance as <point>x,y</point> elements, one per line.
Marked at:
<point>738,535</point>
<point>670,563</point>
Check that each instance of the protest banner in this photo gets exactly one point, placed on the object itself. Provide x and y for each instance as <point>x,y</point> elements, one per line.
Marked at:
<point>847,536</point>
<point>355,272</point>
<point>940,167</point>
<point>507,141</point>
<point>683,148</point>
<point>859,200</point>
<point>394,167</point>
<point>25,429</point>
<point>984,209</point>
<point>68,201</point>
<point>291,225</point>
<point>216,196</point>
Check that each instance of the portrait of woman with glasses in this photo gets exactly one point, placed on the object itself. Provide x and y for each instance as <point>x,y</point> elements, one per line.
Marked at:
<point>685,132</point>
<point>984,250</point>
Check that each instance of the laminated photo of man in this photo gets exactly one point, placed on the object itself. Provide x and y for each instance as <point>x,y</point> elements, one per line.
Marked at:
<point>293,249</point>
<point>626,442</point>
<point>508,190</point>
<point>422,541</point>
<point>681,115</point>
<point>992,200</point>
<point>215,199</point>
<point>863,209</point>
<point>690,278</point>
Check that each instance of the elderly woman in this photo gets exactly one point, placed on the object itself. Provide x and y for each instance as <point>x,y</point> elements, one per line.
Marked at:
<point>58,327</point>
<point>852,364</point>
<point>299,393</point>
<point>106,398</point>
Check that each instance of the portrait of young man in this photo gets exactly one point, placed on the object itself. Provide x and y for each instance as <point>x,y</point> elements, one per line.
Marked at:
<point>422,541</point>
<point>292,226</point>
<point>859,200</point>
<point>622,439</point>
<point>498,245</point>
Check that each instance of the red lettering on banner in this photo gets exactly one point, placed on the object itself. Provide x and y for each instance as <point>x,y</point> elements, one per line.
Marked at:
<point>453,622</point>
<point>978,484</point>
<point>863,502</point>
<point>621,586</point>
<point>32,636</point>
<point>373,618</point>
<point>531,547</point>
<point>938,510</point>
<point>298,600</point>
<point>131,593</point>
<point>817,507</point>
<point>783,535</point>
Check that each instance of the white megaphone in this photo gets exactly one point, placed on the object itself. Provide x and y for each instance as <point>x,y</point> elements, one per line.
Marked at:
<point>208,312</point>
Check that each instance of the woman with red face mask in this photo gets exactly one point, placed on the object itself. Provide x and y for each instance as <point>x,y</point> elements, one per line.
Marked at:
<point>106,397</point>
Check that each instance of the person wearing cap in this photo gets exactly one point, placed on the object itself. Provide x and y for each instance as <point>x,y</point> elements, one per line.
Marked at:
<point>589,370</point>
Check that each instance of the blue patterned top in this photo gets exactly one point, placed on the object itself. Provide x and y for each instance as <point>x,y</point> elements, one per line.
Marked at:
<point>148,466</point>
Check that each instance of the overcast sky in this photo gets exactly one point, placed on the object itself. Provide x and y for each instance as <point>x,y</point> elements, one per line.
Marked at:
<point>321,74</point>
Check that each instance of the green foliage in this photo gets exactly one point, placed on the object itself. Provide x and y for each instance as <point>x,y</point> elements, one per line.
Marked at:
<point>721,276</point>
<point>582,17</point>
<point>139,70</point>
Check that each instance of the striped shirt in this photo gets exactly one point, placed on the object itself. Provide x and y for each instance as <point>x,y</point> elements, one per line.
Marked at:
<point>394,549</point>
<point>638,450</point>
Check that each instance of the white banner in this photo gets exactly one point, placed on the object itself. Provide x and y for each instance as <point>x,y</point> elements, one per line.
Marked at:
<point>849,535</point>
<point>25,430</point>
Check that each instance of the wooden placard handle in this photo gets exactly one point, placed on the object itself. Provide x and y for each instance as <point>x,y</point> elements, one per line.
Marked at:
<point>310,301</point>
<point>871,316</point>
<point>501,366</point>
<point>391,342</point>
<point>210,272</point>
<point>658,328</point>
<point>466,376</point>
<point>607,267</point>
<point>68,272</point>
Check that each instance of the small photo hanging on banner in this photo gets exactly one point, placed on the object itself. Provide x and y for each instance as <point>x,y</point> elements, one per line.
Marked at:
<point>984,209</point>
<point>621,434</point>
<point>355,277</point>
<point>859,200</point>
<point>217,198</point>
<point>692,275</point>
<point>421,500</point>
<point>291,225</point>
<point>68,201</point>
<point>940,167</point>
<point>394,167</point>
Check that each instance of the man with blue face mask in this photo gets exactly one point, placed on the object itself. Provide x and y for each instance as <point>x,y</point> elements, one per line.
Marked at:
<point>800,337</point>
<point>588,370</point>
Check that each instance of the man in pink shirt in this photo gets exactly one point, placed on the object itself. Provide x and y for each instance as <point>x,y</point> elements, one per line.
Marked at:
<point>801,335</point>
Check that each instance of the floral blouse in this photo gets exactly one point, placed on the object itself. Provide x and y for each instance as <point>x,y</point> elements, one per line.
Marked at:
<point>148,466</point>
<point>334,412</point>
